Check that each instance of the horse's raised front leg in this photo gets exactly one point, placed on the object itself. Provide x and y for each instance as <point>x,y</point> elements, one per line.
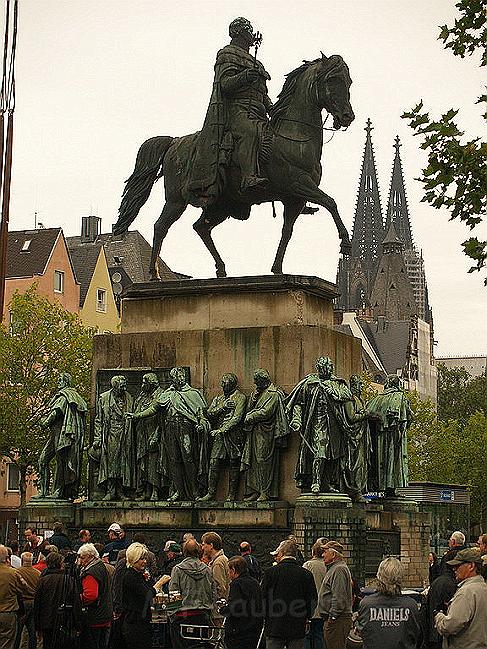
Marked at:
<point>169,215</point>
<point>203,227</point>
<point>291,213</point>
<point>306,188</point>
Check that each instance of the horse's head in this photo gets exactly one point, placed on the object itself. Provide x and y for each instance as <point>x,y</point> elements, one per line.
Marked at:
<point>333,89</point>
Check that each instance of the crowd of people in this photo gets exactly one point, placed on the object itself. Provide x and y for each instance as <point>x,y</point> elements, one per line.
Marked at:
<point>100,596</point>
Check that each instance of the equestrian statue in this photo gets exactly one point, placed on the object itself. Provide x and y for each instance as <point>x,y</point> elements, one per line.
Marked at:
<point>248,151</point>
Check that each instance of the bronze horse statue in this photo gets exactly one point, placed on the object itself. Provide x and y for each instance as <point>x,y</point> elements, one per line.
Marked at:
<point>293,139</point>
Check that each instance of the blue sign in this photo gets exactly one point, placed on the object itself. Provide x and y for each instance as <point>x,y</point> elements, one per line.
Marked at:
<point>447,494</point>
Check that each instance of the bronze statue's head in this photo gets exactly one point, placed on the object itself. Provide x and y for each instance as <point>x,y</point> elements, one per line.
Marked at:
<point>178,376</point>
<point>393,381</point>
<point>150,382</point>
<point>119,383</point>
<point>229,382</point>
<point>241,27</point>
<point>356,384</point>
<point>262,379</point>
<point>324,367</point>
<point>64,380</point>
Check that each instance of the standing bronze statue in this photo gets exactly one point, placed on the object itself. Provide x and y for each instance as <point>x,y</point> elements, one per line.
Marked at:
<point>113,441</point>
<point>316,409</point>
<point>391,416</point>
<point>66,419</point>
<point>151,465</point>
<point>267,430</point>
<point>360,444</point>
<point>184,435</point>
<point>241,158</point>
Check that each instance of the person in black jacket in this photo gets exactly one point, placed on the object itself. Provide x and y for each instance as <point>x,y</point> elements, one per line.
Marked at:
<point>96,598</point>
<point>244,611</point>
<point>289,599</point>
<point>59,538</point>
<point>55,588</point>
<point>439,594</point>
<point>137,595</point>
<point>253,565</point>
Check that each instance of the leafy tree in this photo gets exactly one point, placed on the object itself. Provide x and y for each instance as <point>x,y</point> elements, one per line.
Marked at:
<point>42,340</point>
<point>459,395</point>
<point>456,175</point>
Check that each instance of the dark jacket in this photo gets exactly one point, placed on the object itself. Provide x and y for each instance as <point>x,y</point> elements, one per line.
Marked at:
<point>61,541</point>
<point>55,588</point>
<point>389,622</point>
<point>169,565</point>
<point>289,599</point>
<point>450,554</point>
<point>114,547</point>
<point>116,585</point>
<point>439,594</point>
<point>99,612</point>
<point>253,566</point>
<point>244,611</point>
<point>137,596</point>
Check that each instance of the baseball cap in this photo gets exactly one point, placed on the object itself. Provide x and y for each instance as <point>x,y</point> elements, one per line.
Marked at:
<point>334,545</point>
<point>469,555</point>
<point>278,549</point>
<point>167,547</point>
<point>115,527</point>
<point>174,547</point>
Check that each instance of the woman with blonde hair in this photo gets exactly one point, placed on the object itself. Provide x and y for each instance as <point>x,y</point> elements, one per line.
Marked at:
<point>138,591</point>
<point>387,619</point>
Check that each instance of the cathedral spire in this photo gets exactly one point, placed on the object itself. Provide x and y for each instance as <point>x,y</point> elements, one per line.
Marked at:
<point>368,230</point>
<point>397,206</point>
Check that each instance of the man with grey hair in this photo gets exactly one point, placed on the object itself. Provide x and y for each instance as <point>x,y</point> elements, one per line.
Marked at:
<point>456,543</point>
<point>387,618</point>
<point>96,598</point>
<point>335,597</point>
<point>10,590</point>
<point>30,579</point>
<point>464,626</point>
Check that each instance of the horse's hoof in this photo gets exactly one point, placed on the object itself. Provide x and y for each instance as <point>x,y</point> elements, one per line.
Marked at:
<point>221,273</point>
<point>276,270</point>
<point>154,277</point>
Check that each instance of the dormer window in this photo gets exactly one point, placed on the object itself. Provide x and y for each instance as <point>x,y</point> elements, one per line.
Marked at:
<point>26,245</point>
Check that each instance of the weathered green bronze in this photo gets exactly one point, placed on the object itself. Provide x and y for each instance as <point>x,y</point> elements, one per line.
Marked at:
<point>113,441</point>
<point>267,431</point>
<point>360,445</point>
<point>391,416</point>
<point>183,436</point>
<point>152,470</point>
<point>66,419</point>
<point>316,408</point>
<point>240,157</point>
<point>226,414</point>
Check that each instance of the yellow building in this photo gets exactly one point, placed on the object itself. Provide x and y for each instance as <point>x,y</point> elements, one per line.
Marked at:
<point>97,302</point>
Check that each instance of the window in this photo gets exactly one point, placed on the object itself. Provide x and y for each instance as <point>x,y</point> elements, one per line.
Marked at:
<point>26,245</point>
<point>13,477</point>
<point>58,281</point>
<point>101,300</point>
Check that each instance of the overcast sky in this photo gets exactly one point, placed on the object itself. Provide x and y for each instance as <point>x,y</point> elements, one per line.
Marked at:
<point>95,79</point>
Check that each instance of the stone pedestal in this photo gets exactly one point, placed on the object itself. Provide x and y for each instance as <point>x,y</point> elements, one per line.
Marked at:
<point>41,513</point>
<point>282,323</point>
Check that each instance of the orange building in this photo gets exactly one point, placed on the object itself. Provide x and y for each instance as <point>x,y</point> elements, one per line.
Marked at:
<point>41,256</point>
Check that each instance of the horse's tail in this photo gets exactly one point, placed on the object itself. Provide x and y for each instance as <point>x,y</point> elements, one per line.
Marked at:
<point>148,169</point>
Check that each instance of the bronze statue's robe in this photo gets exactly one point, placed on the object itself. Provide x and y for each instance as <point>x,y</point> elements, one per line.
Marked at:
<point>324,427</point>
<point>393,417</point>
<point>114,435</point>
<point>151,463</point>
<point>226,415</point>
<point>268,429</point>
<point>65,442</point>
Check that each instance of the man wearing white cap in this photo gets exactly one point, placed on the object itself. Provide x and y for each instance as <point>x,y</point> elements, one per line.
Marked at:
<point>117,542</point>
<point>289,599</point>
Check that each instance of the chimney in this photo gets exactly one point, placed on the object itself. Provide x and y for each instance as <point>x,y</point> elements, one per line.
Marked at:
<point>90,228</point>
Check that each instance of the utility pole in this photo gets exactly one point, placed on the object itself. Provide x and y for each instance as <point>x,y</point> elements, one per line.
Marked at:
<point>7,106</point>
